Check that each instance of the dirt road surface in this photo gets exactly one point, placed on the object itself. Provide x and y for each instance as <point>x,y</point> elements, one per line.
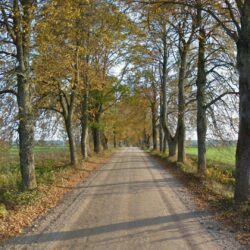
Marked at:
<point>129,203</point>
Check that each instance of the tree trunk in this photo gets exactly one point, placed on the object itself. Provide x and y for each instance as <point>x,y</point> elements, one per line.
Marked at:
<point>24,94</point>
<point>148,141</point>
<point>154,126</point>
<point>72,145</point>
<point>97,134</point>
<point>84,141</point>
<point>181,107</point>
<point>172,147</point>
<point>164,149</point>
<point>167,137</point>
<point>84,121</point>
<point>104,141</point>
<point>114,139</point>
<point>161,138</point>
<point>242,189</point>
<point>26,135</point>
<point>96,140</point>
<point>201,87</point>
<point>68,107</point>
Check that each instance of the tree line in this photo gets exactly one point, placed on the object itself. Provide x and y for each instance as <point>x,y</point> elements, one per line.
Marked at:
<point>197,53</point>
<point>183,65</point>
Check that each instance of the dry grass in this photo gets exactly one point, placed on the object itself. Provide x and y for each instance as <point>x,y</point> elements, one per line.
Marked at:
<point>55,178</point>
<point>215,192</point>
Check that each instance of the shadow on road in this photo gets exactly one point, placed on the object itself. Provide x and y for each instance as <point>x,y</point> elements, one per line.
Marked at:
<point>86,232</point>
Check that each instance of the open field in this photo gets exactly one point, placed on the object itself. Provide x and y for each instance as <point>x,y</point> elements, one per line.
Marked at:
<point>220,176</point>
<point>55,177</point>
<point>11,156</point>
<point>38,149</point>
<point>223,154</point>
<point>49,161</point>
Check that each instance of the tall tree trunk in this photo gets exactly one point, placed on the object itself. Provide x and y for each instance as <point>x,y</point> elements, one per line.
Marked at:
<point>97,134</point>
<point>84,141</point>
<point>161,132</point>
<point>72,145</point>
<point>22,29</point>
<point>68,107</point>
<point>167,137</point>
<point>146,140</point>
<point>154,126</point>
<point>165,141</point>
<point>161,138</point>
<point>172,147</point>
<point>164,94</point>
<point>96,140</point>
<point>85,121</point>
<point>242,189</point>
<point>114,139</point>
<point>26,135</point>
<point>104,141</point>
<point>181,107</point>
<point>201,87</point>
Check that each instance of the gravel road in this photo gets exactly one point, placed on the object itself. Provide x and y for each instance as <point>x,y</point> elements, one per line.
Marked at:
<point>131,202</point>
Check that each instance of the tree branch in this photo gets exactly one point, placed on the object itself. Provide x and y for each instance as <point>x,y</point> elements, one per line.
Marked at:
<point>8,91</point>
<point>208,105</point>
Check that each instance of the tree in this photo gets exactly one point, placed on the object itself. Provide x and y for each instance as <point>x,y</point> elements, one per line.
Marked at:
<point>16,18</point>
<point>59,56</point>
<point>232,16</point>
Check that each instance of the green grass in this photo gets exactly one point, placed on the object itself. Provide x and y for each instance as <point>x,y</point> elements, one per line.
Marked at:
<point>220,173</point>
<point>223,154</point>
<point>48,161</point>
<point>39,149</point>
<point>220,168</point>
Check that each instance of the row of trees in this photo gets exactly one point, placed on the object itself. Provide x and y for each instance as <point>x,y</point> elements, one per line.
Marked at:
<point>177,72</point>
<point>194,53</point>
<point>56,61</point>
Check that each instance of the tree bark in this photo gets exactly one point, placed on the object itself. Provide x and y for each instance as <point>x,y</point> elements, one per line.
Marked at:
<point>96,140</point>
<point>172,147</point>
<point>26,135</point>
<point>104,141</point>
<point>114,139</point>
<point>181,106</point>
<point>22,29</point>
<point>68,111</point>
<point>167,137</point>
<point>161,138</point>
<point>242,188</point>
<point>84,141</point>
<point>84,123</point>
<point>72,145</point>
<point>164,149</point>
<point>154,125</point>
<point>97,134</point>
<point>146,139</point>
<point>201,87</point>
<point>68,107</point>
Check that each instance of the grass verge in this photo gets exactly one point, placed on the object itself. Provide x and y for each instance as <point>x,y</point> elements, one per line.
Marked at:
<point>215,192</point>
<point>18,209</point>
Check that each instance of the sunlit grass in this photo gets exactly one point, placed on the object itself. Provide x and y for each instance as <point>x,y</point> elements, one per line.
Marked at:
<point>220,168</point>
<point>38,149</point>
<point>222,154</point>
<point>48,161</point>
